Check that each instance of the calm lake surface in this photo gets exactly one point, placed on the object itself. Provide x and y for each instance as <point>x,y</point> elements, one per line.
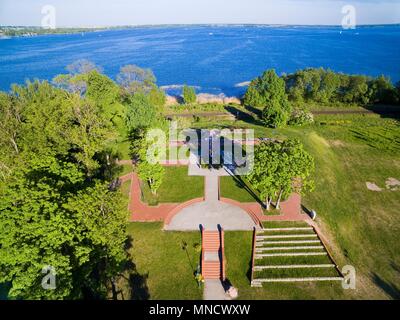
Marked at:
<point>216,59</point>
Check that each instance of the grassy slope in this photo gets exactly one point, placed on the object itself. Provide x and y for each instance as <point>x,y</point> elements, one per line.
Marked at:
<point>363,226</point>
<point>177,187</point>
<point>164,271</point>
<point>238,256</point>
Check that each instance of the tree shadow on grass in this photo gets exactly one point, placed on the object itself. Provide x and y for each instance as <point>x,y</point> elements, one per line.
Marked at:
<point>4,289</point>
<point>244,116</point>
<point>241,184</point>
<point>386,111</point>
<point>390,289</point>
<point>134,283</point>
<point>139,288</point>
<point>248,273</point>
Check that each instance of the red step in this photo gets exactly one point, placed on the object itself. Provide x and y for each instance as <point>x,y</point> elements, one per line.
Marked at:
<point>211,243</point>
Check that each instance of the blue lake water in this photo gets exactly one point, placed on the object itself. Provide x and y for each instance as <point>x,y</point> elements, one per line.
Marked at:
<point>213,58</point>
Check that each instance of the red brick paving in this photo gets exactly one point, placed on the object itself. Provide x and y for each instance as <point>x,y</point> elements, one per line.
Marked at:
<point>143,212</point>
<point>290,209</point>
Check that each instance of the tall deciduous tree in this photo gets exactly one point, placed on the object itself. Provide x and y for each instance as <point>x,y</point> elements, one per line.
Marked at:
<point>140,112</point>
<point>189,94</point>
<point>268,93</point>
<point>151,173</point>
<point>281,168</point>
<point>134,79</point>
<point>56,209</point>
<point>263,175</point>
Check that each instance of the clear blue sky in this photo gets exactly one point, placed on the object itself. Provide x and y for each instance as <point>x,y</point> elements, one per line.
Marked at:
<point>138,12</point>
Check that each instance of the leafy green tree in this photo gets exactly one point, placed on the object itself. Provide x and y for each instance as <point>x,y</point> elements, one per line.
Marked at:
<point>275,117</point>
<point>262,177</point>
<point>295,169</point>
<point>140,112</point>
<point>253,97</point>
<point>384,91</point>
<point>10,128</point>
<point>56,208</point>
<point>157,98</point>
<point>189,94</point>
<point>151,173</point>
<point>281,168</point>
<point>79,234</point>
<point>328,87</point>
<point>47,118</point>
<point>91,133</point>
<point>266,90</point>
<point>98,88</point>
<point>398,92</point>
<point>357,91</point>
<point>134,79</point>
<point>268,93</point>
<point>83,66</point>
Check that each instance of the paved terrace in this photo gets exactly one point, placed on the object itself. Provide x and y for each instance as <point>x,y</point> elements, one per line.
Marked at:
<point>210,210</point>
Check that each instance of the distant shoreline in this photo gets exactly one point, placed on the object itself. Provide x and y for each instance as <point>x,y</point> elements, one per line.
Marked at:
<point>30,31</point>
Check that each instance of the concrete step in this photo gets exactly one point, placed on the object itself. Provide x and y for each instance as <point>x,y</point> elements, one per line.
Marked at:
<point>291,254</point>
<point>294,266</point>
<point>288,248</point>
<point>287,236</point>
<point>288,242</point>
<point>256,284</point>
<point>285,229</point>
<point>306,279</point>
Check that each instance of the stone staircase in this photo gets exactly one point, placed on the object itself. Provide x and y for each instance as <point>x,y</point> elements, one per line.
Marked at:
<point>212,259</point>
<point>290,252</point>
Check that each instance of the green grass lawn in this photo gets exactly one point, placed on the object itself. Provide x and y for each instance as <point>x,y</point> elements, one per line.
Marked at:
<point>162,269</point>
<point>124,169</point>
<point>237,189</point>
<point>177,187</point>
<point>125,188</point>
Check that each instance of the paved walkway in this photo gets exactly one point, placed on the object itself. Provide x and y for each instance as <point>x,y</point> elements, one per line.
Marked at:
<point>230,214</point>
<point>213,290</point>
<point>210,215</point>
<point>211,189</point>
<point>211,212</point>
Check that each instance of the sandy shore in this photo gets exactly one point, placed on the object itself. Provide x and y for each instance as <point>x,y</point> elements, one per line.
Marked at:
<point>203,98</point>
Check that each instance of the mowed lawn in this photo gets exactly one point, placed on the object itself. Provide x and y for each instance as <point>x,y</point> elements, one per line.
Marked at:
<point>238,189</point>
<point>363,226</point>
<point>176,187</point>
<point>163,269</point>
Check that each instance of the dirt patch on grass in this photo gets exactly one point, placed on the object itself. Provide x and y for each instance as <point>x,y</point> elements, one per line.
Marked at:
<point>392,184</point>
<point>337,143</point>
<point>373,187</point>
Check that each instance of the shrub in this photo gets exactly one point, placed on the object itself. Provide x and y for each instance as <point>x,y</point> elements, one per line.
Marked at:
<point>189,95</point>
<point>301,117</point>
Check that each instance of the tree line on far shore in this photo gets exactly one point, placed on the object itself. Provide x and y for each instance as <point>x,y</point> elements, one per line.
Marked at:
<point>284,100</point>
